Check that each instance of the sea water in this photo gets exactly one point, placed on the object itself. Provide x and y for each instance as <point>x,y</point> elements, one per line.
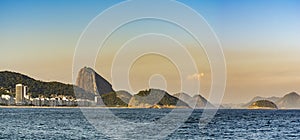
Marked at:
<point>70,123</point>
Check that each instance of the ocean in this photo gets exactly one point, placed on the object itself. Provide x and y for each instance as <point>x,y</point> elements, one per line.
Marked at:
<point>71,123</point>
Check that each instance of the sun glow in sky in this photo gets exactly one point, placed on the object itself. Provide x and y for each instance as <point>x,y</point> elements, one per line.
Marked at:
<point>260,39</point>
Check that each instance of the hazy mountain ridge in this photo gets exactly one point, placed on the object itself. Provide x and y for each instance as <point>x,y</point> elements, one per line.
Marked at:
<point>197,101</point>
<point>288,101</point>
<point>257,98</point>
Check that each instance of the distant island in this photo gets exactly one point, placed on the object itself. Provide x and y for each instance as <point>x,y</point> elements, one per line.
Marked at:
<point>263,104</point>
<point>92,90</point>
<point>289,101</point>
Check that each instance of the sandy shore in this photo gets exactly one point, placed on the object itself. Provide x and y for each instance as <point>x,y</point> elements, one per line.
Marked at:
<point>59,107</point>
<point>95,107</point>
<point>98,107</point>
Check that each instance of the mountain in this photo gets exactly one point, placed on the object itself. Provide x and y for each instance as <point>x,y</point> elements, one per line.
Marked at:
<point>184,97</point>
<point>112,100</point>
<point>202,102</point>
<point>196,101</point>
<point>289,101</point>
<point>8,80</point>
<point>124,96</point>
<point>257,98</point>
<point>263,104</point>
<point>155,98</point>
<point>90,81</point>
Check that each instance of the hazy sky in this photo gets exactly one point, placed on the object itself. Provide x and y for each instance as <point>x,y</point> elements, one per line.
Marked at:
<point>260,39</point>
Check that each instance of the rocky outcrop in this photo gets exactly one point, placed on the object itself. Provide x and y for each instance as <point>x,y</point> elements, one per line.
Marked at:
<point>289,101</point>
<point>90,81</point>
<point>197,101</point>
<point>155,98</point>
<point>112,100</point>
<point>202,102</point>
<point>263,104</point>
<point>257,98</point>
<point>124,96</point>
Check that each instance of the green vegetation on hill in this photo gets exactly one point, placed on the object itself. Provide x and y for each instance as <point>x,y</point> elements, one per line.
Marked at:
<point>111,100</point>
<point>166,99</point>
<point>263,104</point>
<point>4,91</point>
<point>8,80</point>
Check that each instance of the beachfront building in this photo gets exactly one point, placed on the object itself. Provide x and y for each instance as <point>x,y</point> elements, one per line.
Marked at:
<point>52,102</point>
<point>7,100</point>
<point>85,102</point>
<point>21,94</point>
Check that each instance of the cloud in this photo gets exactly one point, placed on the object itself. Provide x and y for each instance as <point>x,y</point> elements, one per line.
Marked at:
<point>196,76</point>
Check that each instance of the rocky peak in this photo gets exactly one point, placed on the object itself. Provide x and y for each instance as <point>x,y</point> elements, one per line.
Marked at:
<point>289,101</point>
<point>91,81</point>
<point>156,98</point>
<point>292,94</point>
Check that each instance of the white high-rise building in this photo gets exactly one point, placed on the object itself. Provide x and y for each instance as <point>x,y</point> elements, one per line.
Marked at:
<point>25,90</point>
<point>21,94</point>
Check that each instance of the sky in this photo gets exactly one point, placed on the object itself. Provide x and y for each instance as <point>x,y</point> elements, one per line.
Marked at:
<point>260,40</point>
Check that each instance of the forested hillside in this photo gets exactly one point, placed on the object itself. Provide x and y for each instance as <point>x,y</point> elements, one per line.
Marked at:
<point>8,80</point>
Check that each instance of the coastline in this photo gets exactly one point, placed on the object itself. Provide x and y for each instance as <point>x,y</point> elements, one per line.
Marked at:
<point>88,107</point>
<point>62,107</point>
<point>38,107</point>
<point>95,107</point>
<point>99,107</point>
